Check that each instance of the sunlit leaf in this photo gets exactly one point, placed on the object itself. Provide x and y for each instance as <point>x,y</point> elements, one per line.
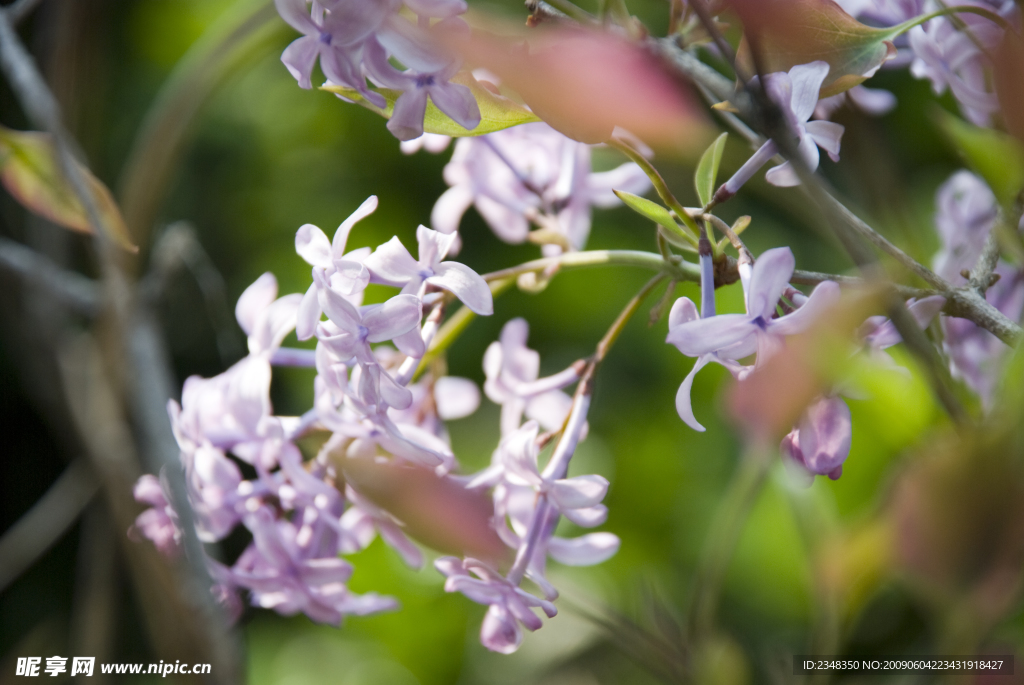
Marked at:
<point>791,32</point>
<point>30,173</point>
<point>995,156</point>
<point>707,170</point>
<point>496,111</point>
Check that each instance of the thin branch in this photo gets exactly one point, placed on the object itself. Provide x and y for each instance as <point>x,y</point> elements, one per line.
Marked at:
<point>77,292</point>
<point>42,525</point>
<point>981,275</point>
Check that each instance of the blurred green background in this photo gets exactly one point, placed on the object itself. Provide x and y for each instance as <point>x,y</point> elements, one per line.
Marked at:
<point>265,157</point>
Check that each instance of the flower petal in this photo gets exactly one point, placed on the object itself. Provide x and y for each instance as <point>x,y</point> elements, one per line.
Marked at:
<point>806,80</point>
<point>827,135</point>
<point>465,284</point>
<point>392,263</point>
<point>769,280</point>
<point>393,317</point>
<point>683,311</point>
<point>254,301</point>
<point>586,550</point>
<point>450,207</point>
<point>684,406</point>
<point>313,246</point>
<point>824,297</point>
<point>707,335</point>
<point>341,235</point>
<point>579,492</point>
<point>455,397</point>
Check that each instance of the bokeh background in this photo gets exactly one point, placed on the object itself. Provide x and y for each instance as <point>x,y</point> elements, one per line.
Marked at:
<point>263,157</point>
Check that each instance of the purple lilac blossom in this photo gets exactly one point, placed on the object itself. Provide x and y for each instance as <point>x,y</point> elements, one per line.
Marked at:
<point>796,94</point>
<point>820,444</point>
<point>529,173</point>
<point>727,338</point>
<point>355,39</point>
<point>966,213</point>
<point>511,369</point>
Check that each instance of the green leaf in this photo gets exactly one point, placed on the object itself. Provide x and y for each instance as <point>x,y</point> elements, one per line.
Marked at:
<point>792,32</point>
<point>707,170</point>
<point>496,111</point>
<point>657,214</point>
<point>995,156</point>
<point>30,173</point>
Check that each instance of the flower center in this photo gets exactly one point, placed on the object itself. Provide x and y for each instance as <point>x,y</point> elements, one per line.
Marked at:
<point>424,80</point>
<point>326,37</point>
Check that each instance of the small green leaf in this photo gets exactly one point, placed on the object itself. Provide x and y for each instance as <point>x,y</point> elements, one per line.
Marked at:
<point>707,170</point>
<point>657,214</point>
<point>995,156</point>
<point>29,172</point>
<point>496,111</point>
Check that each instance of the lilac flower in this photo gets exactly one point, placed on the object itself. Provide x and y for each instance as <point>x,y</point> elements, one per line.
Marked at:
<point>512,369</point>
<point>343,271</point>
<point>821,442</point>
<point>966,211</point>
<point>430,76</point>
<point>349,331</point>
<point>796,94</point>
<point>284,578</point>
<point>509,605</point>
<point>336,38</point>
<point>391,263</point>
<point>530,172</point>
<point>213,482</point>
<point>759,328</point>
<point>159,523</point>
<point>879,333</point>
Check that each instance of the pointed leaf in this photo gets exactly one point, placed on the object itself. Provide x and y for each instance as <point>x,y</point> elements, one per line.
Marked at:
<point>656,213</point>
<point>30,173</point>
<point>792,32</point>
<point>995,156</point>
<point>496,111</point>
<point>707,170</point>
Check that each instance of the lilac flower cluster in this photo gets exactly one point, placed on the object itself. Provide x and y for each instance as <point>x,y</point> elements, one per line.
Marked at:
<point>355,40</point>
<point>298,519</point>
<point>531,174</point>
<point>949,52</point>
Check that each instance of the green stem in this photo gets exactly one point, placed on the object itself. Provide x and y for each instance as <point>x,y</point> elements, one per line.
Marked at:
<point>659,185</point>
<point>723,537</point>
<point>684,271</point>
<point>900,29</point>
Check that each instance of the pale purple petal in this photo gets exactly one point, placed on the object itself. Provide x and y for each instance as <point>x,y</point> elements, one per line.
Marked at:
<point>579,492</point>
<point>587,550</point>
<point>349,277</point>
<point>392,263</point>
<point>769,280</point>
<point>587,517</point>
<point>393,317</point>
<point>457,102</point>
<point>455,398</point>
<point>395,395</point>
<point>407,119</point>
<point>296,13</point>
<point>549,409</point>
<point>627,177</point>
<point>313,246</point>
<point>277,321</point>
<point>825,435</point>
<point>299,58</point>
<point>465,284</point>
<point>339,310</point>
<point>828,135</point>
<point>308,315</point>
<point>500,632</point>
<point>254,301</point>
<point>411,343</point>
<point>825,296</point>
<point>433,245</point>
<point>707,335</point>
<point>684,405</point>
<point>806,82</point>
<point>683,311</point>
<point>341,235</point>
